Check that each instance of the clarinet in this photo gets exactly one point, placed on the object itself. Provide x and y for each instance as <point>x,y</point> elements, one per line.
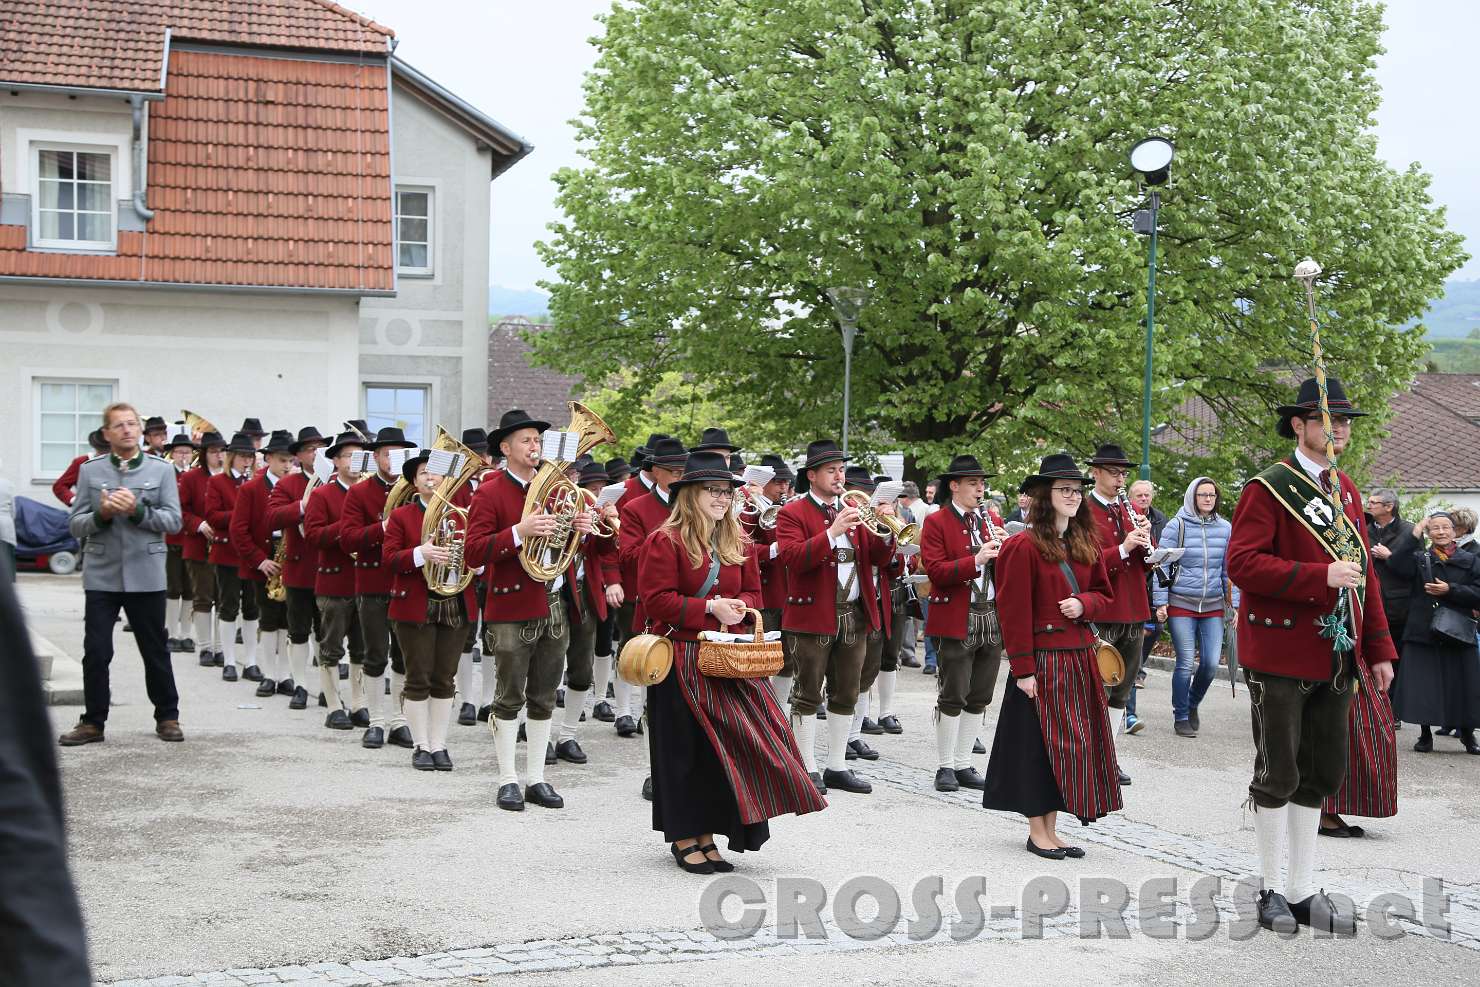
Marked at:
<point>1133,515</point>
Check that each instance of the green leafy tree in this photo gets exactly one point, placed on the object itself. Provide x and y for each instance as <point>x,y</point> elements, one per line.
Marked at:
<point>966,161</point>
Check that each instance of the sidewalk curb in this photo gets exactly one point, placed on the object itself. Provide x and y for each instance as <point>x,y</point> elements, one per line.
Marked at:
<point>61,674</point>
<point>1170,664</point>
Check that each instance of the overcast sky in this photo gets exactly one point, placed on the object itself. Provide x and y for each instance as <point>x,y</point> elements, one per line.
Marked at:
<point>523,63</point>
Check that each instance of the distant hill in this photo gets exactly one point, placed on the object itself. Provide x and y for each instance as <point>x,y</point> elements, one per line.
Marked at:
<point>517,301</point>
<point>1456,314</point>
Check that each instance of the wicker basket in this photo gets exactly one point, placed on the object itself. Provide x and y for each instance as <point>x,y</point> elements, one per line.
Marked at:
<point>755,659</point>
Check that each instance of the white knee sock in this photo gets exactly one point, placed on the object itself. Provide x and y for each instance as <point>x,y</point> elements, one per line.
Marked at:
<point>601,674</point>
<point>838,727</point>
<point>1270,828</point>
<point>1303,824</point>
<point>538,732</point>
<point>375,699</point>
<point>855,731</point>
<point>639,701</point>
<point>575,705</point>
<point>439,712</point>
<point>781,685</point>
<point>418,719</point>
<point>280,648</point>
<point>202,630</point>
<point>886,693</point>
<point>249,640</point>
<point>228,640</point>
<point>329,684</point>
<point>397,715</point>
<point>971,724</point>
<point>216,631</point>
<point>298,662</point>
<point>506,748</point>
<point>804,727</point>
<point>619,701</point>
<point>356,688</point>
<point>177,623</point>
<point>489,681</point>
<point>946,729</point>
<point>465,677</point>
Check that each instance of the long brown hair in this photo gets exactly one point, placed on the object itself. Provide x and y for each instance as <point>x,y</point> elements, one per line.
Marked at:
<point>1082,536</point>
<point>697,531</point>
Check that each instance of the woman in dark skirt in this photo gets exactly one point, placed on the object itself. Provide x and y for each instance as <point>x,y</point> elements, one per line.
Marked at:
<point>723,757</point>
<point>1053,750</point>
<point>1441,676</point>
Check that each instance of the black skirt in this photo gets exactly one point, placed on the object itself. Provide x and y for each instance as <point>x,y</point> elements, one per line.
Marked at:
<point>691,793</point>
<point>1441,685</point>
<point>1019,773</point>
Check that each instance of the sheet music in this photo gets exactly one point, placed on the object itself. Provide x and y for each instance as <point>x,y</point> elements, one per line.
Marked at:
<point>560,446</point>
<point>440,462</point>
<point>759,475</point>
<point>399,457</point>
<point>323,466</point>
<point>610,494</point>
<point>1162,555</point>
<point>888,491</point>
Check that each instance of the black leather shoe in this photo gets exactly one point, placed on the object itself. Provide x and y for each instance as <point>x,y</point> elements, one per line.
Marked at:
<point>871,727</point>
<point>1073,852</point>
<point>626,726</point>
<point>702,866</point>
<point>338,720</point>
<point>172,644</point>
<point>976,746</point>
<point>1049,853</point>
<point>1321,914</point>
<point>187,644</point>
<point>970,778</point>
<point>945,780</point>
<point>720,866</point>
<point>286,687</point>
<point>401,737</point>
<point>846,781</point>
<point>1125,779</point>
<point>228,673</point>
<point>1425,743</point>
<point>549,753</point>
<point>523,736</point>
<point>218,658</point>
<point>890,724</point>
<point>817,781</point>
<point>252,673</point>
<point>603,712</point>
<point>544,796</point>
<point>442,760</point>
<point>1192,718</point>
<point>266,688</point>
<point>300,699</point>
<point>1467,737</point>
<point>1275,914</point>
<point>569,750</point>
<point>207,658</point>
<point>509,798</point>
<point>647,788</point>
<point>374,739</point>
<point>484,712</point>
<point>360,718</point>
<point>858,748</point>
<point>422,761</point>
<point>467,715</point>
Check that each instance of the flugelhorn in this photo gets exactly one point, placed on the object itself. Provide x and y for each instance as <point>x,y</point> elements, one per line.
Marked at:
<point>883,525</point>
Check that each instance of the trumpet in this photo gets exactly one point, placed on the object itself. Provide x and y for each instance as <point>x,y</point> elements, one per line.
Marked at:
<point>883,525</point>
<point>756,509</point>
<point>996,528</point>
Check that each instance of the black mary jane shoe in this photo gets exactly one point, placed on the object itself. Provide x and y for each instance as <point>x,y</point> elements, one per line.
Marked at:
<point>544,796</point>
<point>374,739</point>
<point>1275,914</point>
<point>890,724</point>
<point>401,737</point>
<point>1073,852</point>
<point>1335,832</point>
<point>467,715</point>
<point>228,673</point>
<point>945,780</point>
<point>218,658</point>
<point>286,687</point>
<point>846,781</point>
<point>970,778</point>
<point>720,866</point>
<point>266,689</point>
<point>647,788</point>
<point>441,760</point>
<point>859,748</point>
<point>509,798</point>
<point>361,717</point>
<point>252,673</point>
<point>422,761</point>
<point>569,750</point>
<point>603,712</point>
<point>1321,914</point>
<point>1049,853</point>
<point>871,727</point>
<point>704,866</point>
<point>300,699</point>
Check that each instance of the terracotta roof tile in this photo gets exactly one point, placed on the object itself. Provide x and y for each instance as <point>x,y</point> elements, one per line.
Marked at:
<point>514,383</point>
<point>119,44</point>
<point>1433,439</point>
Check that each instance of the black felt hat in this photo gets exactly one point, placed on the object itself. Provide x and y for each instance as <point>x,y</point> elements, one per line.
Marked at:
<point>155,424</point>
<point>391,437</point>
<point>716,440</point>
<point>779,466</point>
<point>1059,466</point>
<point>360,428</point>
<point>211,440</point>
<point>345,439</point>
<point>961,468</point>
<point>704,466</point>
<point>306,434</point>
<point>408,468</point>
<point>281,440</point>
<point>858,478</point>
<point>737,463</point>
<point>669,453</point>
<point>819,453</point>
<point>512,421</point>
<point>617,469</point>
<point>1110,454</point>
<point>594,473</point>
<point>252,427</point>
<point>180,439</point>
<point>475,439</point>
<point>1309,400</point>
<point>241,442</point>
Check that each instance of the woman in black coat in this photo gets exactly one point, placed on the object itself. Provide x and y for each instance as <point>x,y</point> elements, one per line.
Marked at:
<point>1441,676</point>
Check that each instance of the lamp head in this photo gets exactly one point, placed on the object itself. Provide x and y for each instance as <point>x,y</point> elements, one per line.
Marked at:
<point>1152,157</point>
<point>848,303</point>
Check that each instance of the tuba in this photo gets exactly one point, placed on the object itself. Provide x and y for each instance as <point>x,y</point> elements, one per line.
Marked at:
<point>545,557</point>
<point>197,426</point>
<point>882,525</point>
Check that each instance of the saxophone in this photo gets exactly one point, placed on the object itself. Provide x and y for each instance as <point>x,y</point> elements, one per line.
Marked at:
<point>276,591</point>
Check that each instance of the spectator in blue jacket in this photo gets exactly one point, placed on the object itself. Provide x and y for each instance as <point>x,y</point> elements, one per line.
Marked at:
<point>1196,599</point>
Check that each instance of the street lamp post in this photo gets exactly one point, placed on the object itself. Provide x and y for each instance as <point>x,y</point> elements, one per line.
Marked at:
<point>848,304</point>
<point>1152,158</point>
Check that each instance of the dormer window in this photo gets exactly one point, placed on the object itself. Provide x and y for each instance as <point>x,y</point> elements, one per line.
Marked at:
<point>74,201</point>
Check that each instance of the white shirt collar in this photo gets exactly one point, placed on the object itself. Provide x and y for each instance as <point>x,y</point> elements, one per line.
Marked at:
<point>1310,466</point>
<point>819,501</point>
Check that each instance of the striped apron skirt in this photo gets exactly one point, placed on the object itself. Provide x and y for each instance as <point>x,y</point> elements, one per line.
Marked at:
<point>1371,785</point>
<point>1055,753</point>
<point>723,756</point>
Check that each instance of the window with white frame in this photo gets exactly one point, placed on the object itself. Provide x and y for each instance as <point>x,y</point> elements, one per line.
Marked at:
<point>403,405</point>
<point>74,202</point>
<point>66,410</point>
<point>414,230</point>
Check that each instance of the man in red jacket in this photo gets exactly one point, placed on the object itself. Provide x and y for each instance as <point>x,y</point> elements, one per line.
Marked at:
<point>334,581</point>
<point>196,551</point>
<point>830,610</point>
<point>957,549</point>
<point>527,622</point>
<point>1311,609</point>
<point>285,511</point>
<point>65,486</point>
<point>237,604</point>
<point>1124,541</point>
<point>361,531</point>
<point>256,540</point>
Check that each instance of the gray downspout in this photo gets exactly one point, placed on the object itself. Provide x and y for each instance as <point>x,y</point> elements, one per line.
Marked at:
<point>145,213</point>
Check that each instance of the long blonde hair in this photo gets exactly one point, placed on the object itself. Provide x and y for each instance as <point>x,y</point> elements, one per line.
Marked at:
<point>696,531</point>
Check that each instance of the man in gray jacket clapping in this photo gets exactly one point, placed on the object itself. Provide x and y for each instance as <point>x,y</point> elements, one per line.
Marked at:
<point>126,503</point>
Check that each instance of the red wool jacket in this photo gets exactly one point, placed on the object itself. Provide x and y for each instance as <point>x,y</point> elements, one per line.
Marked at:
<point>65,486</point>
<point>773,582</point>
<point>284,514</point>
<point>221,493</point>
<point>635,488</point>
<point>1029,589</point>
<point>178,538</point>
<point>640,517</point>
<point>1130,604</point>
<point>192,486</point>
<point>335,574</point>
<point>360,533</point>
<point>510,593</point>
<point>670,588</point>
<point>949,560</point>
<point>1280,569</point>
<point>599,557</point>
<point>408,584</point>
<point>811,568</point>
<point>251,534</point>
